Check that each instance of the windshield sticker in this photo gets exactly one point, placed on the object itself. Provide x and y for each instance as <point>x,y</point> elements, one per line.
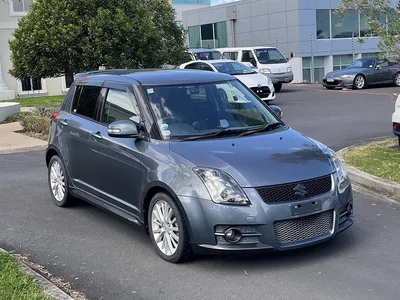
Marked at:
<point>166,133</point>
<point>164,126</point>
<point>224,123</point>
<point>150,91</point>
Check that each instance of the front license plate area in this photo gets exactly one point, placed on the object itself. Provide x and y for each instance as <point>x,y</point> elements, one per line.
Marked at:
<point>330,80</point>
<point>305,207</point>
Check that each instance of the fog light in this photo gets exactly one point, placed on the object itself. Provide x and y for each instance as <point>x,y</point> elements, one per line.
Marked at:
<point>349,209</point>
<point>233,235</point>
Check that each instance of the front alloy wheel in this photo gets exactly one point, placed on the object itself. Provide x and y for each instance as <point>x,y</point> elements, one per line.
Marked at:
<point>359,82</point>
<point>168,229</point>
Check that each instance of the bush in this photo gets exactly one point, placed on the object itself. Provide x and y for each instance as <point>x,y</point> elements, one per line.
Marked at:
<point>16,117</point>
<point>36,124</point>
<point>44,111</point>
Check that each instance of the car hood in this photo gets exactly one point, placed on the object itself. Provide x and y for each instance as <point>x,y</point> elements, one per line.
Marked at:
<point>352,71</point>
<point>276,157</point>
<point>253,80</point>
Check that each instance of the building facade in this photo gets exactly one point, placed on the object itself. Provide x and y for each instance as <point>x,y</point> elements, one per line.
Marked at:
<point>320,39</point>
<point>10,12</point>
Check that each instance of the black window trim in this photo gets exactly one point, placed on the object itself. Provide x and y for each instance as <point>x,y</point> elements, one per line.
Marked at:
<point>96,110</point>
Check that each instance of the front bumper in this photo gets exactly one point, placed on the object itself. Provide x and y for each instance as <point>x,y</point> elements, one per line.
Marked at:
<point>266,226</point>
<point>280,77</point>
<point>261,92</point>
<point>338,82</point>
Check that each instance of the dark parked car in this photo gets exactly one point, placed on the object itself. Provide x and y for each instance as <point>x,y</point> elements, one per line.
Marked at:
<point>198,169</point>
<point>363,72</point>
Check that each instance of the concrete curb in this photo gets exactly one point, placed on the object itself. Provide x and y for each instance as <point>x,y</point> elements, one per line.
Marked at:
<point>48,287</point>
<point>24,149</point>
<point>376,184</point>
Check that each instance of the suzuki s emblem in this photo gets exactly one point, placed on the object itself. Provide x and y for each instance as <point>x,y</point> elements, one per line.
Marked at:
<point>300,190</point>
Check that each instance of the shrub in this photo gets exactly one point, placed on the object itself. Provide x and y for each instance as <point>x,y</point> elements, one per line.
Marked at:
<point>16,117</point>
<point>45,111</point>
<point>36,124</point>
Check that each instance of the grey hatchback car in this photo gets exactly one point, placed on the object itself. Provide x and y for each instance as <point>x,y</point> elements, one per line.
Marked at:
<point>198,160</point>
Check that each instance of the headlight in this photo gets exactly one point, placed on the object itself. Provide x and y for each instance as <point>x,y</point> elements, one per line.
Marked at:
<point>223,188</point>
<point>289,69</point>
<point>341,171</point>
<point>268,80</point>
<point>347,76</point>
<point>265,71</point>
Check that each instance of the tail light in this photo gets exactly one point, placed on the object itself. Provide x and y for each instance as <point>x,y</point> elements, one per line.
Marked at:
<point>395,126</point>
<point>54,115</point>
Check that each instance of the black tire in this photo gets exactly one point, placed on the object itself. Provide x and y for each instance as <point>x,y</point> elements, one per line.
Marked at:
<point>184,251</point>
<point>330,87</point>
<point>356,85</point>
<point>396,79</point>
<point>67,199</point>
<point>277,87</point>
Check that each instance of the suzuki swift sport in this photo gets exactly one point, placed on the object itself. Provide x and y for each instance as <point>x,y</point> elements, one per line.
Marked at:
<point>198,160</point>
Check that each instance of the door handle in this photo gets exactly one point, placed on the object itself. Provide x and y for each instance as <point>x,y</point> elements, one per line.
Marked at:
<point>64,122</point>
<point>97,135</point>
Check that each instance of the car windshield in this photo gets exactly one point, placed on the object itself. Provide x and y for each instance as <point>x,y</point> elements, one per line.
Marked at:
<point>233,68</point>
<point>202,109</point>
<point>363,63</point>
<point>209,55</point>
<point>269,56</point>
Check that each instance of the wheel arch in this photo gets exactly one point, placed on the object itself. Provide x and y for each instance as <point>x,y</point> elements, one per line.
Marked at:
<point>50,152</point>
<point>160,187</point>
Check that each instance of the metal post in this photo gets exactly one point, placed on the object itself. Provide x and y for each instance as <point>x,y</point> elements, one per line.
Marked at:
<point>312,61</point>
<point>352,46</point>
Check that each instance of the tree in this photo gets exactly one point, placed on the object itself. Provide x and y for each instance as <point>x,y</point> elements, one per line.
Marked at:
<point>383,20</point>
<point>63,37</point>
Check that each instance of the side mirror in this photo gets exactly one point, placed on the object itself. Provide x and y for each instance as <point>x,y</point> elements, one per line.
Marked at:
<point>277,111</point>
<point>123,129</point>
<point>253,62</point>
<point>378,67</point>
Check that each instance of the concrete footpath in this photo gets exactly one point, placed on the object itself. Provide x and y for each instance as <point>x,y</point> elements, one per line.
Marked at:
<point>11,141</point>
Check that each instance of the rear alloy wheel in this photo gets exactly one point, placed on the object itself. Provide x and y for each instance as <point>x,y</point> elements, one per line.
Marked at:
<point>359,82</point>
<point>58,183</point>
<point>396,80</point>
<point>168,230</point>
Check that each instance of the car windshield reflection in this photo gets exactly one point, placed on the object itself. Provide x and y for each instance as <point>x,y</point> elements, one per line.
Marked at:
<point>222,108</point>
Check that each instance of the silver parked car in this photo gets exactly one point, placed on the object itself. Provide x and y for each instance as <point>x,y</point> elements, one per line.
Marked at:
<point>198,160</point>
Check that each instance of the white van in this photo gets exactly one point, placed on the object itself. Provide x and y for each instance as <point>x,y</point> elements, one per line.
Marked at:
<point>266,60</point>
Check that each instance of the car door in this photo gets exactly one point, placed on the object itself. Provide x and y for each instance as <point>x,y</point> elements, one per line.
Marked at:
<point>77,128</point>
<point>117,161</point>
<point>386,70</point>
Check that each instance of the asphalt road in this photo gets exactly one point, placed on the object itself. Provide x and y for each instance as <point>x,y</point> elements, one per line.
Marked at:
<point>110,259</point>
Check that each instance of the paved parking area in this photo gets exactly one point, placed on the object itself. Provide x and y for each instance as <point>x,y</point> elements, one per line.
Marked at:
<point>338,118</point>
<point>110,259</point>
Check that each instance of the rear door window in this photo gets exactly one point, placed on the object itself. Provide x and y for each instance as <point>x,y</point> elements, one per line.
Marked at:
<point>85,101</point>
<point>231,55</point>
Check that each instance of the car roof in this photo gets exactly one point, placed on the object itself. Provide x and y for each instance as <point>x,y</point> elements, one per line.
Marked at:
<point>202,50</point>
<point>154,77</point>
<point>212,61</point>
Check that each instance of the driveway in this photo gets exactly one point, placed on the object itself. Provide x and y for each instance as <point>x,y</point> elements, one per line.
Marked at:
<point>111,259</point>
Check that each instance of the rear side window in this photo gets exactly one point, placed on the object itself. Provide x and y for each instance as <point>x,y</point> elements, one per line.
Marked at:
<point>86,100</point>
<point>231,55</point>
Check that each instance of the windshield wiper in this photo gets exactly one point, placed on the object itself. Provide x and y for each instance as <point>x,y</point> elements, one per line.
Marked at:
<point>243,73</point>
<point>213,134</point>
<point>269,126</point>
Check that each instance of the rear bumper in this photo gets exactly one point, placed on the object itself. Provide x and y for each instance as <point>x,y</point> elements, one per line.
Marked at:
<point>396,129</point>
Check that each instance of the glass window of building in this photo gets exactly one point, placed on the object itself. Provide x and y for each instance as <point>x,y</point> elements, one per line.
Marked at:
<point>319,69</point>
<point>323,24</point>
<point>207,36</point>
<point>370,55</point>
<point>194,37</point>
<point>220,34</point>
<point>342,61</point>
<point>346,26</point>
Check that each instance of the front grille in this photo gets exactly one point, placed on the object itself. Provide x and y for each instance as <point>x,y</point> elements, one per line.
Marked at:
<point>299,229</point>
<point>286,192</point>
<point>262,92</point>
